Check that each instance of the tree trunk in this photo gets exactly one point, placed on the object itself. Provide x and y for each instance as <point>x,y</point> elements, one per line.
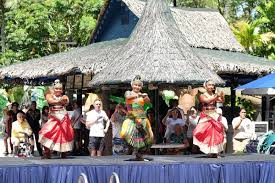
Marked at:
<point>175,3</point>
<point>2,24</point>
<point>3,37</point>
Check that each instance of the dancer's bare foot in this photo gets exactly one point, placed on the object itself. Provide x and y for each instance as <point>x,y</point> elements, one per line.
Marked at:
<point>210,155</point>
<point>214,156</point>
<point>139,157</point>
<point>46,156</point>
<point>63,155</point>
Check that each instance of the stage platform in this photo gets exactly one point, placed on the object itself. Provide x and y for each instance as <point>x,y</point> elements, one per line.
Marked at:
<point>247,168</point>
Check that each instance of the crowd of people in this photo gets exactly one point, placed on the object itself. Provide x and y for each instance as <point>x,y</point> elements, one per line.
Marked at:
<point>199,130</point>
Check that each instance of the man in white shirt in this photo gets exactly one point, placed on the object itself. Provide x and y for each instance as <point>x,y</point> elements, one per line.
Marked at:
<point>95,122</point>
<point>117,118</point>
<point>225,127</point>
<point>242,127</point>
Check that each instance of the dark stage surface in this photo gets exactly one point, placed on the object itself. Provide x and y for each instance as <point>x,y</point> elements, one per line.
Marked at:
<point>167,169</point>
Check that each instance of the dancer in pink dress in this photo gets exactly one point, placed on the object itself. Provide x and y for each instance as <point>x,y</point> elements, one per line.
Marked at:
<point>209,133</point>
<point>57,134</point>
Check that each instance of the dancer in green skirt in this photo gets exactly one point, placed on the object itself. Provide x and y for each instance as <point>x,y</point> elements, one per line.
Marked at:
<point>136,129</point>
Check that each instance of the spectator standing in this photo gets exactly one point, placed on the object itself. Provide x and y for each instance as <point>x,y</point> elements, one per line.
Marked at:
<point>85,132</point>
<point>7,121</point>
<point>76,124</point>
<point>33,117</point>
<point>174,104</point>
<point>45,115</point>
<point>117,118</point>
<point>192,119</point>
<point>225,127</point>
<point>158,128</point>
<point>242,127</point>
<point>95,121</point>
<point>15,110</point>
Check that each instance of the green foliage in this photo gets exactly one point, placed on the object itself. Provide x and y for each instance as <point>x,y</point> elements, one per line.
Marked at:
<point>266,10</point>
<point>197,3</point>
<point>247,104</point>
<point>242,103</point>
<point>257,35</point>
<point>252,21</point>
<point>242,9</point>
<point>16,94</point>
<point>37,28</point>
<point>247,34</point>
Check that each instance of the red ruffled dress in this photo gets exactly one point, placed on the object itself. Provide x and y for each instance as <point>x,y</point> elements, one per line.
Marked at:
<point>57,134</point>
<point>209,133</point>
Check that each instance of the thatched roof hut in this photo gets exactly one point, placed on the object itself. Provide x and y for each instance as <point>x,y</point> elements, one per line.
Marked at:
<point>202,28</point>
<point>234,63</point>
<point>89,59</point>
<point>158,52</point>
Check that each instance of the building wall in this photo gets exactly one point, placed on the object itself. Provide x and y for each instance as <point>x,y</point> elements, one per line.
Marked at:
<point>118,22</point>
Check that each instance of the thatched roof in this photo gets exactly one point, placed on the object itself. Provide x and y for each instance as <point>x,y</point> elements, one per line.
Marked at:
<point>93,58</point>
<point>158,52</point>
<point>88,59</point>
<point>202,28</point>
<point>226,62</point>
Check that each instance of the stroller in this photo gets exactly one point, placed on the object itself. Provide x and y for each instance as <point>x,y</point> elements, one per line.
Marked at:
<point>24,149</point>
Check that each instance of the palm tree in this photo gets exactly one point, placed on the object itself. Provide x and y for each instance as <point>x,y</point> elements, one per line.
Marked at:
<point>247,33</point>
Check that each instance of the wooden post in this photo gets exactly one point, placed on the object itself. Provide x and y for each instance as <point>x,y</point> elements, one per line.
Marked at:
<point>156,109</point>
<point>175,3</point>
<point>229,148</point>
<point>108,135</point>
<point>233,100</point>
<point>79,97</point>
<point>263,113</point>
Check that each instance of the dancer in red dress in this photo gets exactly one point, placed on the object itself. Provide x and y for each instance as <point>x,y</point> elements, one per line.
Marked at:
<point>209,133</point>
<point>57,134</point>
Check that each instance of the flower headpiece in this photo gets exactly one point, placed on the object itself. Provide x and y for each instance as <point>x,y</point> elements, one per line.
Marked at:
<point>206,81</point>
<point>137,80</point>
<point>57,84</point>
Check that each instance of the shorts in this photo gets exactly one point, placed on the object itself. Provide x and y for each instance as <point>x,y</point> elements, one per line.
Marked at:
<point>96,143</point>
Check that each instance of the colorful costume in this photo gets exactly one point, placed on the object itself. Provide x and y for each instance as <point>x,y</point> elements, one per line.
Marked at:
<point>209,133</point>
<point>57,134</point>
<point>136,129</point>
